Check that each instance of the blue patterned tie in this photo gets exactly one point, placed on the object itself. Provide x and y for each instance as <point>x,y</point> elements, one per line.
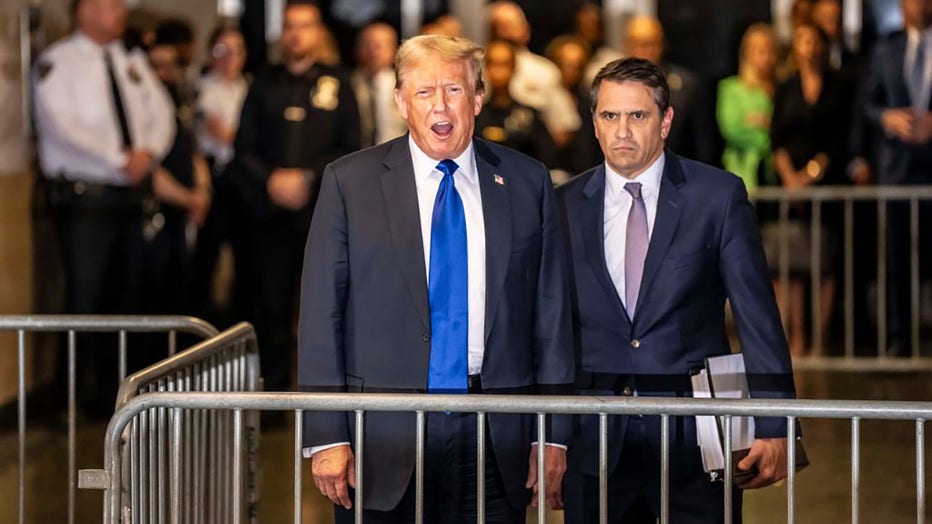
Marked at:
<point>448,289</point>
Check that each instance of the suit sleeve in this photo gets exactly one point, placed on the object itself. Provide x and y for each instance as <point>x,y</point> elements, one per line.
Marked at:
<point>553,345</point>
<point>747,284</point>
<point>324,287</point>
<point>874,103</point>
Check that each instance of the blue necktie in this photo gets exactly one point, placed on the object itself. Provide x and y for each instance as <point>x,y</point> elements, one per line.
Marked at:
<point>448,289</point>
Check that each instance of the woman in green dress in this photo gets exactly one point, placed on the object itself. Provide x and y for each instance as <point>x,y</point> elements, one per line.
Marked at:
<point>745,107</point>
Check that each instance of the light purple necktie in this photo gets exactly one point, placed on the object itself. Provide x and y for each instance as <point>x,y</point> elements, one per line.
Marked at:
<point>635,246</point>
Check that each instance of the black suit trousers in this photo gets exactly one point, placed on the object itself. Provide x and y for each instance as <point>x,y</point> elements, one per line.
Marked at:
<point>634,489</point>
<point>450,472</point>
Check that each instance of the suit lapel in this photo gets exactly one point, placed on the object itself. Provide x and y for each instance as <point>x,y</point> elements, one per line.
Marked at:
<point>496,214</point>
<point>401,207</point>
<point>669,208</point>
<point>592,222</point>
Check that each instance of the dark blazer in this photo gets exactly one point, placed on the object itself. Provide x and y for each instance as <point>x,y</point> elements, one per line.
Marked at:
<point>885,88</point>
<point>705,248</point>
<point>365,320</point>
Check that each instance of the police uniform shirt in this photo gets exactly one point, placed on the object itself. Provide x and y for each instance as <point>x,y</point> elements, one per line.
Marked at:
<point>536,83</point>
<point>296,121</point>
<point>519,127</point>
<point>222,99</point>
<point>76,117</point>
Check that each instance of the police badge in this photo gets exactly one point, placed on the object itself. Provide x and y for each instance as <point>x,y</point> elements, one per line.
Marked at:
<point>325,95</point>
<point>133,74</point>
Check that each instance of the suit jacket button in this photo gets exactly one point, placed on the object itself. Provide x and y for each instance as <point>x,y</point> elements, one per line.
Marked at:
<point>635,343</point>
<point>627,391</point>
<point>426,336</point>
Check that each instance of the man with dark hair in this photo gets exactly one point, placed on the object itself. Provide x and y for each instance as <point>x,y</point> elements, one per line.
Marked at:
<point>298,116</point>
<point>657,244</point>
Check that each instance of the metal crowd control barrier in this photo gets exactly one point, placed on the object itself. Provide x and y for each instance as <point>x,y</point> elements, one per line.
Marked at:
<point>236,403</point>
<point>187,467</point>
<point>72,325</point>
<point>817,197</point>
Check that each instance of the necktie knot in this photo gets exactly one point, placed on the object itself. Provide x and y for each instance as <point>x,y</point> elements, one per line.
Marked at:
<point>634,188</point>
<point>447,167</point>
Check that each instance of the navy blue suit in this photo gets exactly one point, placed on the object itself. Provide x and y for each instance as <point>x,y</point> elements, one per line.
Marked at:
<point>365,319</point>
<point>897,162</point>
<point>705,248</point>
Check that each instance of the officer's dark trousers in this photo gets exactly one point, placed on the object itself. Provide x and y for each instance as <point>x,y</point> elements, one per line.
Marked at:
<point>101,233</point>
<point>279,249</point>
<point>450,461</point>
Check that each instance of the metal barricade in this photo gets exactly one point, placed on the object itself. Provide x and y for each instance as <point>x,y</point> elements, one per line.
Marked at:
<point>236,403</point>
<point>192,466</point>
<point>817,198</point>
<point>72,325</point>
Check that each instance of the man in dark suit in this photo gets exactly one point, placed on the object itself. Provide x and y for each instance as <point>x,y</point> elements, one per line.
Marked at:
<point>656,244</point>
<point>897,92</point>
<point>434,263</point>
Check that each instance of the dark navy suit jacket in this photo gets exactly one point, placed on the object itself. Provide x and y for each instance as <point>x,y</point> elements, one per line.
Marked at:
<point>365,319</point>
<point>885,88</point>
<point>704,248</point>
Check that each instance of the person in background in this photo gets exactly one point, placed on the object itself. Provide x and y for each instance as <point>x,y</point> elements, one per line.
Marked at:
<point>689,136</point>
<point>898,102</point>
<point>181,183</point>
<point>103,122</point>
<point>447,25</point>
<point>179,33</point>
<point>826,15</point>
<point>298,116</point>
<point>571,54</point>
<point>504,121</point>
<point>374,84</point>
<point>745,107</point>
<point>809,139</point>
<point>537,80</point>
<point>221,93</point>
<point>590,27</point>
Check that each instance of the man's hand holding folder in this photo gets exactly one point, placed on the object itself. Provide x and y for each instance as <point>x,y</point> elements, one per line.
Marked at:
<point>768,457</point>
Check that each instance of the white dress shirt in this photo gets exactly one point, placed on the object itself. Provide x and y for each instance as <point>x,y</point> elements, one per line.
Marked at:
<point>914,39</point>
<point>76,120</point>
<point>427,179</point>
<point>223,99</point>
<point>615,218</point>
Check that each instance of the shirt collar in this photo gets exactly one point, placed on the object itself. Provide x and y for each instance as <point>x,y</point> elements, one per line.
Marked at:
<point>85,41</point>
<point>649,179</point>
<point>424,165</point>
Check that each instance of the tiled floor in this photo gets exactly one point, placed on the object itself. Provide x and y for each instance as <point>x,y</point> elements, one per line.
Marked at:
<point>888,478</point>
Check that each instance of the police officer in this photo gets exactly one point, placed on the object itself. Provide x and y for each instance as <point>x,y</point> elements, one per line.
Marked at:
<point>103,122</point>
<point>297,117</point>
<point>505,121</point>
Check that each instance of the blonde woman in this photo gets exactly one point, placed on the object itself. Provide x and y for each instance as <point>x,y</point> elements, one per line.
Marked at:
<point>745,107</point>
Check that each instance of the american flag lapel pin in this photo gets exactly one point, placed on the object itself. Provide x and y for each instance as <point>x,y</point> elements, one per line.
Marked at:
<point>499,180</point>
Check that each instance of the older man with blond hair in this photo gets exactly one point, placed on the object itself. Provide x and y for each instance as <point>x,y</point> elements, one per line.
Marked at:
<point>434,265</point>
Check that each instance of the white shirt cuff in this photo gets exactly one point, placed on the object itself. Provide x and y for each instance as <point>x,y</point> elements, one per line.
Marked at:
<point>552,444</point>
<point>309,452</point>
